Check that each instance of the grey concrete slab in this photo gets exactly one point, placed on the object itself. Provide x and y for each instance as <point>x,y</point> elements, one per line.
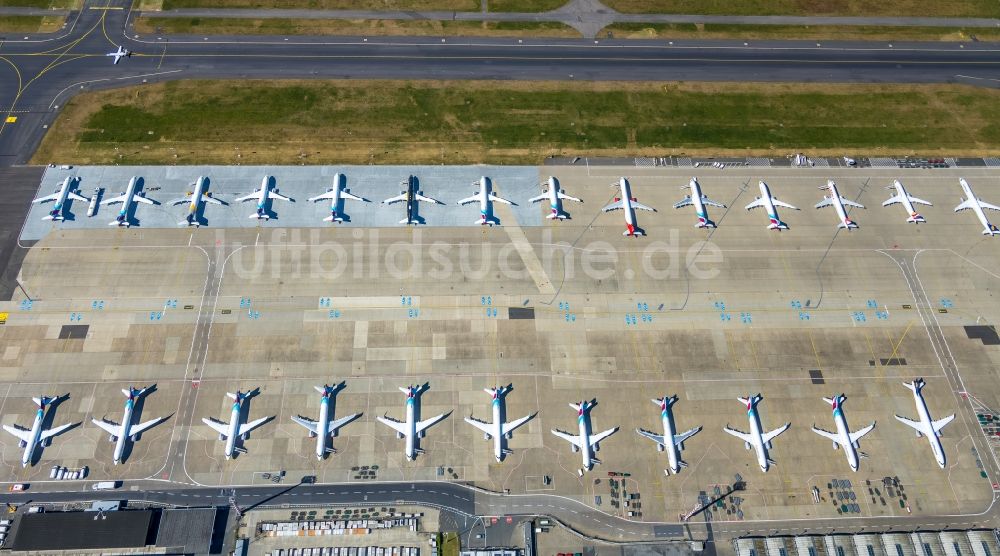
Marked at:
<point>163,184</point>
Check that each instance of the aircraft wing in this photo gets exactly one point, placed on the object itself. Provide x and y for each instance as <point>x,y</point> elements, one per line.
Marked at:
<point>571,438</point>
<point>988,206</point>
<point>778,203</point>
<point>741,435</point>
<point>562,195</point>
<point>940,423</point>
<point>769,436</point>
<point>428,423</point>
<point>23,434</point>
<point>336,424</point>
<point>327,195</point>
<point>141,199</point>
<point>307,423</point>
<point>468,200</point>
<point>481,425</point>
<point>712,203</point>
<point>346,195</point>
<point>254,195</point>
<point>614,206</point>
<point>921,201</point>
<point>247,427</point>
<point>827,434</point>
<point>640,206</point>
<point>219,426</point>
<point>138,429</point>
<point>398,426</point>
<point>279,196</point>
<point>63,428</point>
<point>595,438</point>
<point>851,203</point>
<point>212,200</point>
<point>539,198</point>
<point>911,423</point>
<point>425,199</point>
<point>685,202</point>
<point>827,201</point>
<point>652,436</point>
<point>78,197</point>
<point>113,200</point>
<point>109,427</point>
<point>185,199</point>
<point>684,436</point>
<point>496,199</point>
<point>855,436</point>
<point>508,428</point>
<point>758,203</point>
<point>396,199</point>
<point>52,197</point>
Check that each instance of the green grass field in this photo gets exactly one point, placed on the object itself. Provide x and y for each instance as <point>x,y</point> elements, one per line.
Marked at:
<point>507,122</point>
<point>30,24</point>
<point>43,4</point>
<point>448,5</point>
<point>939,8</point>
<point>816,32</point>
<point>371,27</point>
<point>523,5</point>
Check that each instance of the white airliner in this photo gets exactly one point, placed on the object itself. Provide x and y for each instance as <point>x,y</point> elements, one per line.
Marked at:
<point>498,430</point>
<point>844,437</point>
<point>232,430</point>
<point>411,429</point>
<point>126,431</point>
<point>838,202</point>
<point>64,192</point>
<point>699,200</point>
<point>262,195</point>
<point>194,199</point>
<point>485,197</point>
<point>585,442</point>
<point>119,54</point>
<point>326,426</point>
<point>977,205</point>
<point>627,203</point>
<point>555,195</point>
<point>757,439</point>
<point>36,436</point>
<point>907,200</point>
<point>127,197</point>
<point>926,426</point>
<point>336,194</point>
<point>669,441</point>
<point>768,202</point>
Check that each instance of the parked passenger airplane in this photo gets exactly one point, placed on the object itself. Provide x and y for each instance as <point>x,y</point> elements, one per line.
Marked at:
<point>699,200</point>
<point>119,54</point>
<point>411,429</point>
<point>926,426</point>
<point>627,203</point>
<point>907,200</point>
<point>126,431</point>
<point>31,439</point>
<point>977,205</point>
<point>498,430</point>
<point>326,426</point>
<point>412,196</point>
<point>844,437</point>
<point>585,442</point>
<point>126,198</point>
<point>768,202</point>
<point>669,441</point>
<point>230,431</point>
<point>337,194</point>
<point>555,195</point>
<point>64,192</point>
<point>194,199</point>
<point>838,202</point>
<point>262,195</point>
<point>756,438</point>
<point>485,197</point>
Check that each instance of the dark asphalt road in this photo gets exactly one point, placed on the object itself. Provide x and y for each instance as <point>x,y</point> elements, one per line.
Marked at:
<point>48,73</point>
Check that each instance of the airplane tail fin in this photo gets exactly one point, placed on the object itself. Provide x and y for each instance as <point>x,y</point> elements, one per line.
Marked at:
<point>915,218</point>
<point>777,225</point>
<point>704,223</point>
<point>916,386</point>
<point>334,218</point>
<point>828,400</point>
<point>991,231</point>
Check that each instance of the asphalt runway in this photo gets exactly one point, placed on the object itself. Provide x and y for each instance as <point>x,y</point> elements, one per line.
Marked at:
<point>49,71</point>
